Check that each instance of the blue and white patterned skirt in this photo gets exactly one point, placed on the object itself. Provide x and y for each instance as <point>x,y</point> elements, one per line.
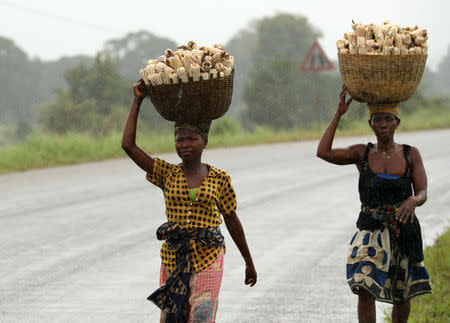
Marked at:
<point>376,265</point>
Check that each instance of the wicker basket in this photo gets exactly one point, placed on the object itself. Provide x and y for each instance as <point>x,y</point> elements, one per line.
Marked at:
<point>197,101</point>
<point>380,78</point>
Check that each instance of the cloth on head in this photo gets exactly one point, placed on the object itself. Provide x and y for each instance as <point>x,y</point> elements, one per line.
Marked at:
<point>201,128</point>
<point>391,108</point>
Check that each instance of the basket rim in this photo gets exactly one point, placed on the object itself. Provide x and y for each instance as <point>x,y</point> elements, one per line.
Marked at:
<point>382,55</point>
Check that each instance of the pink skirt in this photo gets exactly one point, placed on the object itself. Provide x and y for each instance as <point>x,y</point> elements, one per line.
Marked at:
<point>204,290</point>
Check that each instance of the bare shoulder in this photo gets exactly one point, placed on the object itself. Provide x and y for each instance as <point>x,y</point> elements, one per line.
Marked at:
<point>359,150</point>
<point>414,154</point>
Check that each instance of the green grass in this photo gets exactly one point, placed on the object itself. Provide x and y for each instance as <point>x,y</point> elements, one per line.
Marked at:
<point>45,150</point>
<point>434,307</point>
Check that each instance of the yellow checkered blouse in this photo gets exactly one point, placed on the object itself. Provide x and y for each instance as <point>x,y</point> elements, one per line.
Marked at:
<point>216,196</point>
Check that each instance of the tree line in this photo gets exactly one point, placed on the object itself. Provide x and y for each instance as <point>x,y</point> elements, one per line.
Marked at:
<point>92,94</point>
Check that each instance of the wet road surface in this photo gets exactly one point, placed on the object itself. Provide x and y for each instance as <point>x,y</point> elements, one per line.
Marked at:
<point>77,243</point>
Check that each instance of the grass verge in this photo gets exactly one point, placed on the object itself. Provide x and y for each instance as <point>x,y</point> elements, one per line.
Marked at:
<point>434,307</point>
<point>44,150</point>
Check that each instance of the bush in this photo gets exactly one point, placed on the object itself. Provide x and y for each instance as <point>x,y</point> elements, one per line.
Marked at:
<point>225,126</point>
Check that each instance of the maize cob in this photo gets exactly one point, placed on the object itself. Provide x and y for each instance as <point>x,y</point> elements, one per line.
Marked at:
<point>152,81</point>
<point>192,45</point>
<point>407,39</point>
<point>152,61</point>
<point>229,62</point>
<point>368,31</point>
<point>196,58</point>
<point>221,74</point>
<point>213,73</point>
<point>168,52</point>
<point>390,35</point>
<point>404,50</point>
<point>340,44</point>
<point>144,76</point>
<point>217,58</point>
<point>355,25</point>
<point>165,77</point>
<point>411,28</point>
<point>155,79</point>
<point>385,29</point>
<point>398,39</point>
<point>204,76</point>
<point>182,75</point>
<point>417,50</point>
<point>151,69</point>
<point>187,61</point>
<point>174,62</point>
<point>219,67</point>
<point>227,71</point>
<point>206,66</point>
<point>174,78</point>
<point>420,40</point>
<point>214,51</point>
<point>160,67</point>
<point>360,30</point>
<point>361,45</point>
<point>387,50</point>
<point>396,51</point>
<point>370,43</point>
<point>194,72</point>
<point>378,35</point>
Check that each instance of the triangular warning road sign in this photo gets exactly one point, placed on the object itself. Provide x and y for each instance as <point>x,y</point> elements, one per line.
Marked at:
<point>316,60</point>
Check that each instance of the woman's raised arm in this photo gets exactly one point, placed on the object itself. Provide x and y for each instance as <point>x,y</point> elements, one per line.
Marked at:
<point>340,156</point>
<point>140,157</point>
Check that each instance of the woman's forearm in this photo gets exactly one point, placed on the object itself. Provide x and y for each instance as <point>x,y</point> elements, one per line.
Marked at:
<point>129,131</point>
<point>236,230</point>
<point>326,142</point>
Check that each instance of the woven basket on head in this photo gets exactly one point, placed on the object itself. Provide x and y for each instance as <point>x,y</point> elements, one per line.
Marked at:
<point>381,78</point>
<point>197,101</point>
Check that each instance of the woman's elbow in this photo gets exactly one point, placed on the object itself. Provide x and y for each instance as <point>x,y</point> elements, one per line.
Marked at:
<point>321,154</point>
<point>127,147</point>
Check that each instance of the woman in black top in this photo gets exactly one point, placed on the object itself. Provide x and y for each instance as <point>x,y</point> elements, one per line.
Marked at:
<point>385,259</point>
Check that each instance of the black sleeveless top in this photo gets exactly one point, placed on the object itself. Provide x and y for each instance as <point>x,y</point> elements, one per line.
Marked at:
<point>375,191</point>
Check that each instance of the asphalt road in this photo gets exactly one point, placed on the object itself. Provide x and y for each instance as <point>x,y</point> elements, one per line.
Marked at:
<point>77,243</point>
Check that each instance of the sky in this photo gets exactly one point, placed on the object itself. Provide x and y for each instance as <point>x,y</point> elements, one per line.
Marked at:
<point>50,29</point>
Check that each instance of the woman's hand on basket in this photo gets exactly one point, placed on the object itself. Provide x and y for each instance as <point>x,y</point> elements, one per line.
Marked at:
<point>139,89</point>
<point>343,105</point>
<point>250,275</point>
<point>406,211</point>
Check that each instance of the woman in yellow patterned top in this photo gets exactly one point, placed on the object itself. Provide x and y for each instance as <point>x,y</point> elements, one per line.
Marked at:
<point>195,195</point>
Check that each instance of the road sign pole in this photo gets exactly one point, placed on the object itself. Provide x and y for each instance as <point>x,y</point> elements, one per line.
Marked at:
<point>316,61</point>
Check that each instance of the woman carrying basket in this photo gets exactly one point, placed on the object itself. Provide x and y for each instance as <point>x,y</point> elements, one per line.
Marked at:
<point>195,195</point>
<point>385,258</point>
